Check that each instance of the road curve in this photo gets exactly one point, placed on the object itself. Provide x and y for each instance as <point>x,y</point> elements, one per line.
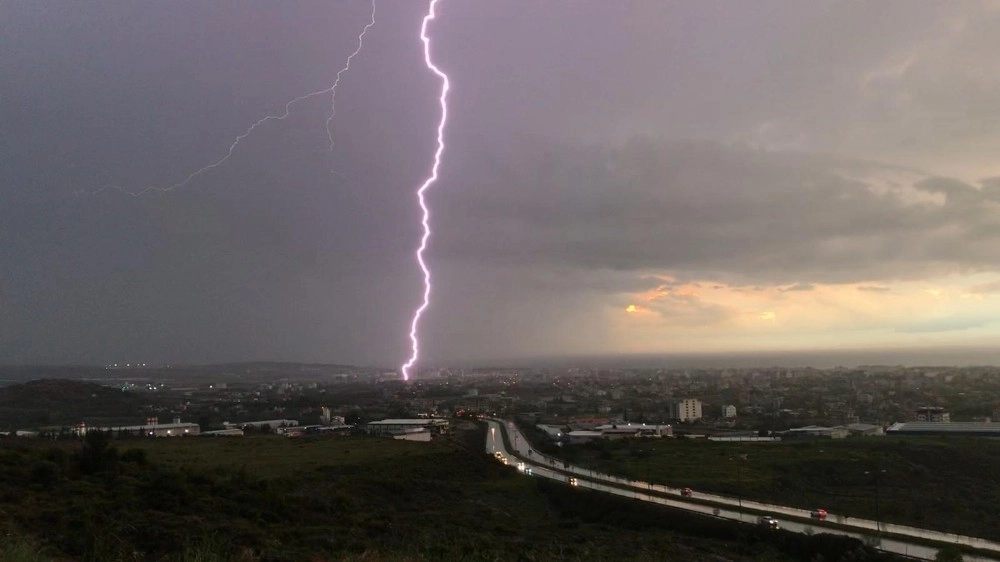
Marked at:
<point>549,467</point>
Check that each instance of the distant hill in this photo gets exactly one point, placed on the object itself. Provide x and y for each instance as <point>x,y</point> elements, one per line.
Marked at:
<point>67,402</point>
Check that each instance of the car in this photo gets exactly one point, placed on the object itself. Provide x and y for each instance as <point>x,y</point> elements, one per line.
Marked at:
<point>818,514</point>
<point>769,522</point>
<point>573,482</point>
<point>686,492</point>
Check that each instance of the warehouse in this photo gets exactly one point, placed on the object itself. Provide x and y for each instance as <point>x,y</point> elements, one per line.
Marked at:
<point>958,429</point>
<point>400,426</point>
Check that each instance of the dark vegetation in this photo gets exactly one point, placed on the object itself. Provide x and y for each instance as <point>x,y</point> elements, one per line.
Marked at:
<point>59,402</point>
<point>357,498</point>
<point>941,483</point>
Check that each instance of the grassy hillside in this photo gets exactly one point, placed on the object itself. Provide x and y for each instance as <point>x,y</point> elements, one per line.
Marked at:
<point>358,498</point>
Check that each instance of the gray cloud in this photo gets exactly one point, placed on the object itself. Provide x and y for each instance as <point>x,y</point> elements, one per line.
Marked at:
<point>555,203</point>
<point>985,288</point>
<point>699,210</point>
<point>875,288</point>
<point>798,287</point>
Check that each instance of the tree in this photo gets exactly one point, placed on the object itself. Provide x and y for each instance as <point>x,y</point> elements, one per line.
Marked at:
<point>97,454</point>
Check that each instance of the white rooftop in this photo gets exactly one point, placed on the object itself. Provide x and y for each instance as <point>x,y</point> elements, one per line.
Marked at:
<point>946,427</point>
<point>412,421</point>
<point>183,425</point>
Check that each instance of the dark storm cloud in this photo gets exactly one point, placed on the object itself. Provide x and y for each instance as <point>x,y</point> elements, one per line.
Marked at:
<point>554,205</point>
<point>270,255</point>
<point>713,210</point>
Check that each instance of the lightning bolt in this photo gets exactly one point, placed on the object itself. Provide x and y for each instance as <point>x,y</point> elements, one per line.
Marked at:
<point>347,66</point>
<point>425,220</point>
<point>332,90</point>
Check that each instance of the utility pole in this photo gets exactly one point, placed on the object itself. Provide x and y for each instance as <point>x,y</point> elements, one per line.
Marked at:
<point>878,517</point>
<point>739,482</point>
<point>648,460</point>
<point>739,458</point>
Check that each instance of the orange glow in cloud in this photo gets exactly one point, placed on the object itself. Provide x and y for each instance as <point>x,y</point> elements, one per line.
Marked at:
<point>710,315</point>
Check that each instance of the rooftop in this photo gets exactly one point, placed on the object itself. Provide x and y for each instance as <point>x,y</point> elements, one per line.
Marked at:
<point>982,428</point>
<point>411,421</point>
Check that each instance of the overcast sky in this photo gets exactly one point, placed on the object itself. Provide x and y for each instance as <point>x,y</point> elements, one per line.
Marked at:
<point>620,177</point>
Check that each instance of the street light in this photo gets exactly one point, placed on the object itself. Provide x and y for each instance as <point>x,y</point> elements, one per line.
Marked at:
<point>649,481</point>
<point>739,478</point>
<point>493,438</point>
<point>878,517</point>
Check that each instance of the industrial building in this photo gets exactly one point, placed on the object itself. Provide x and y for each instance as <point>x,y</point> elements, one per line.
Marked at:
<point>635,430</point>
<point>414,434</point>
<point>236,432</point>
<point>864,429</point>
<point>814,431</point>
<point>933,414</point>
<point>617,431</point>
<point>263,424</point>
<point>581,436</point>
<point>957,429</point>
<point>152,428</point>
<point>400,426</point>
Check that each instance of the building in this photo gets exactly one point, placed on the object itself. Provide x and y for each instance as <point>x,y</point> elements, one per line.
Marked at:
<point>623,432</point>
<point>933,414</point>
<point>635,430</point>
<point>957,429</point>
<point>742,438</point>
<point>581,436</point>
<point>617,431</point>
<point>688,409</point>
<point>224,433</point>
<point>272,425</point>
<point>415,434</point>
<point>729,412</point>
<point>815,431</point>
<point>553,431</point>
<point>864,429</point>
<point>152,428</point>
<point>400,426</point>
<point>302,431</point>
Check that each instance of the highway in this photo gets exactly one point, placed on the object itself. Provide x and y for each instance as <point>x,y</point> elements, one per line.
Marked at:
<point>548,467</point>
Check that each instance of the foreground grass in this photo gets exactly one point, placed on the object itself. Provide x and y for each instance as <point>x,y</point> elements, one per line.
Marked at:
<point>947,484</point>
<point>358,498</point>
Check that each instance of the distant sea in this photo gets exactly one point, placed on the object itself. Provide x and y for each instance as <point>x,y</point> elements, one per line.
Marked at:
<point>820,359</point>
